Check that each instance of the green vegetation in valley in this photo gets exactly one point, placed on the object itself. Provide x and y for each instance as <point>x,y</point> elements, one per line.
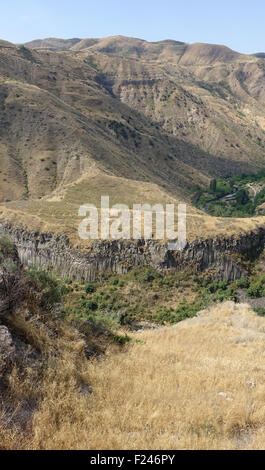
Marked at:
<point>115,302</point>
<point>233,196</point>
<point>143,294</point>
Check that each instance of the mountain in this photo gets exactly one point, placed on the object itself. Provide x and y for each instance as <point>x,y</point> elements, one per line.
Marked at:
<point>204,94</point>
<point>6,44</point>
<point>53,44</point>
<point>134,48</point>
<point>114,114</point>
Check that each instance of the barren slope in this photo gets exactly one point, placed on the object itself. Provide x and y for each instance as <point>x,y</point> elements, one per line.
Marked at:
<point>58,121</point>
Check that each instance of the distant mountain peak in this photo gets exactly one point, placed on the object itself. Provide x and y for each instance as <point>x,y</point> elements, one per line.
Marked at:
<point>52,43</point>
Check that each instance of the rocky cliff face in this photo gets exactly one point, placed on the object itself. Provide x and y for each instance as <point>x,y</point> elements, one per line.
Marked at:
<point>220,255</point>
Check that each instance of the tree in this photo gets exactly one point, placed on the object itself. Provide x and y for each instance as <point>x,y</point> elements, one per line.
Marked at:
<point>242,197</point>
<point>213,185</point>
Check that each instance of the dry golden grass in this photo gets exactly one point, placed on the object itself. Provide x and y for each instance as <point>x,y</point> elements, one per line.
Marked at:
<point>59,213</point>
<point>198,385</point>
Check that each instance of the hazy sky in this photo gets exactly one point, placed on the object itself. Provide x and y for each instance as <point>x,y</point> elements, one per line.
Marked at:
<point>239,24</point>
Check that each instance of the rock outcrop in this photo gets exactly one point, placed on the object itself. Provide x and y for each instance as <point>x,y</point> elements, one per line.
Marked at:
<point>49,251</point>
<point>7,348</point>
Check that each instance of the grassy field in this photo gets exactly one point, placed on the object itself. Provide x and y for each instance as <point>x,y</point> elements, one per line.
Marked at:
<point>59,213</point>
<point>197,385</point>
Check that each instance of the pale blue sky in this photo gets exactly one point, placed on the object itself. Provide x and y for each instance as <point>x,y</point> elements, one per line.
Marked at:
<point>239,24</point>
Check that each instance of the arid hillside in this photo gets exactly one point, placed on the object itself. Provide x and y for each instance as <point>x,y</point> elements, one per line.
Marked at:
<point>204,94</point>
<point>59,122</point>
<point>162,117</point>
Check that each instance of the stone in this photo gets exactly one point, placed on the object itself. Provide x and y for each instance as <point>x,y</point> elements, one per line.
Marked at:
<point>250,383</point>
<point>7,348</point>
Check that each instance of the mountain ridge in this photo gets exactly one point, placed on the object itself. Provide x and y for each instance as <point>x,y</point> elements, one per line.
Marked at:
<point>108,44</point>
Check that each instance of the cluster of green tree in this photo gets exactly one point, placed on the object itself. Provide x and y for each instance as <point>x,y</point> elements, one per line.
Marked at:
<point>229,196</point>
<point>221,187</point>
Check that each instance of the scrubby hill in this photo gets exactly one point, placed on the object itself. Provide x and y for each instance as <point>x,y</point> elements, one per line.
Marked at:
<point>203,94</point>
<point>177,51</point>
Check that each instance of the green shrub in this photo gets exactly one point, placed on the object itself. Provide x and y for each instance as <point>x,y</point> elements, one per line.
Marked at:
<point>183,311</point>
<point>90,305</point>
<point>90,288</point>
<point>260,311</point>
<point>51,290</point>
<point>148,275</point>
<point>254,290</point>
<point>217,285</point>
<point>242,283</point>
<point>213,185</point>
<point>165,315</point>
<point>242,197</point>
<point>256,287</point>
<point>121,339</point>
<point>7,247</point>
<point>113,289</point>
<point>102,305</point>
<point>226,294</point>
<point>11,265</point>
<point>103,321</point>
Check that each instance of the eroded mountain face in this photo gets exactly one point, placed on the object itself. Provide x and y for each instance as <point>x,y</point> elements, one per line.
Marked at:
<point>205,94</point>
<point>167,112</point>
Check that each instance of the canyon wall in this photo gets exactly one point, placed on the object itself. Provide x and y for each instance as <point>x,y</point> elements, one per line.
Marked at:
<point>47,250</point>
